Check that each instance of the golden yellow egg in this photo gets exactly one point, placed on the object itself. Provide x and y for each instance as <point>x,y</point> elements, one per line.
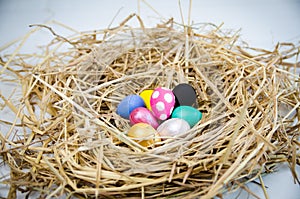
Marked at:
<point>144,134</point>
<point>146,95</point>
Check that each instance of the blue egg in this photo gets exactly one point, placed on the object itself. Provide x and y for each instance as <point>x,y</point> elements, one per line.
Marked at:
<point>128,104</point>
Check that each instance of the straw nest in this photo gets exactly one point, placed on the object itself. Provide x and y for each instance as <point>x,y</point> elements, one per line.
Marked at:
<point>68,138</point>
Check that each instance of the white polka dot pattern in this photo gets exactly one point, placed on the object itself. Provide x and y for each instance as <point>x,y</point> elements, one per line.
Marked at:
<point>155,94</point>
<point>162,103</point>
<point>168,97</point>
<point>163,117</point>
<point>171,110</point>
<point>160,106</point>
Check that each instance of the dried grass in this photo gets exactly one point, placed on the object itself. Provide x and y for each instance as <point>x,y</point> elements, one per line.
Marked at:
<point>72,141</point>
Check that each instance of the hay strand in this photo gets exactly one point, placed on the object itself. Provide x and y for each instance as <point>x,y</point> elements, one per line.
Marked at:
<point>67,137</point>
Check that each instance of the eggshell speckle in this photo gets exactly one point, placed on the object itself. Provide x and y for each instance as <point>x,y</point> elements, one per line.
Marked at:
<point>173,127</point>
<point>143,115</point>
<point>162,102</point>
<point>128,104</point>
<point>144,134</point>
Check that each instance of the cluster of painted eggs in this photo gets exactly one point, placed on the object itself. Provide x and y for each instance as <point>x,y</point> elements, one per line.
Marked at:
<point>160,113</point>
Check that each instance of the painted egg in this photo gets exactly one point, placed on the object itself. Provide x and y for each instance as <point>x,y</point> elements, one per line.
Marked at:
<point>185,95</point>
<point>128,104</point>
<point>143,115</point>
<point>146,95</point>
<point>144,134</point>
<point>162,102</point>
<point>187,113</point>
<point>173,127</point>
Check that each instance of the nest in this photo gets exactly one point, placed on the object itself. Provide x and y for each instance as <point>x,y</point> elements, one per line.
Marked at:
<point>69,139</point>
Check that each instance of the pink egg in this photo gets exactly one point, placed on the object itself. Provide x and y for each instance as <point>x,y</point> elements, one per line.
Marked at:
<point>143,115</point>
<point>162,103</point>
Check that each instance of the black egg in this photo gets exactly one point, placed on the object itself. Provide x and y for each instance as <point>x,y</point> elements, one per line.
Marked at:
<point>185,95</point>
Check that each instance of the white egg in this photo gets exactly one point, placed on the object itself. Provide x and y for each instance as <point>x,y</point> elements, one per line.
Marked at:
<point>173,127</point>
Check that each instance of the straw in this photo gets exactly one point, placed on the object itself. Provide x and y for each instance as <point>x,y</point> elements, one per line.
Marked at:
<point>66,137</point>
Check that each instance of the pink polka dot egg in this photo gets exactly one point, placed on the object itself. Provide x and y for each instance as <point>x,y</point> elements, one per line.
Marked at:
<point>162,103</point>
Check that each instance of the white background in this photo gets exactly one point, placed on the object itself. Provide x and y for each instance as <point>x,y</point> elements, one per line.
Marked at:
<point>263,23</point>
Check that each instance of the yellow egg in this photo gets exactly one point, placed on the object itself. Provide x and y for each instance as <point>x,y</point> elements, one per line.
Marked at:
<point>144,134</point>
<point>146,95</point>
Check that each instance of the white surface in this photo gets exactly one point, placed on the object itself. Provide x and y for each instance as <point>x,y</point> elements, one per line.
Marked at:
<point>263,24</point>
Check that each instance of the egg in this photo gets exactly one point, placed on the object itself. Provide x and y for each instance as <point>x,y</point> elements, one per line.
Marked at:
<point>173,127</point>
<point>187,113</point>
<point>162,103</point>
<point>128,104</point>
<point>146,95</point>
<point>143,115</point>
<point>185,95</point>
<point>144,134</point>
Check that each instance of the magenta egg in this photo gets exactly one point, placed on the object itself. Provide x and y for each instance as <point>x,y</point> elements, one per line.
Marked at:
<point>162,103</point>
<point>143,115</point>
